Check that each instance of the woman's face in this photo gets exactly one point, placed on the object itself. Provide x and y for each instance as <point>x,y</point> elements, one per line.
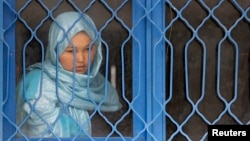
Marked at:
<point>81,41</point>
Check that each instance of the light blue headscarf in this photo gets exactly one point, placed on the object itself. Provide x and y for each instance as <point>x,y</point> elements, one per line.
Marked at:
<point>53,102</point>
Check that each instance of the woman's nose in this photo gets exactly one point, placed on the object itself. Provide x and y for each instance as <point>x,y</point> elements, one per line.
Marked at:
<point>80,57</point>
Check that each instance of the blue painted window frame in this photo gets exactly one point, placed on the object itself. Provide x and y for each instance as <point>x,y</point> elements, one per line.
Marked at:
<point>7,45</point>
<point>148,54</point>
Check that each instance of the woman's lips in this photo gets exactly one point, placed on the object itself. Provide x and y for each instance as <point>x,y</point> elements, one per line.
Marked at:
<point>81,68</point>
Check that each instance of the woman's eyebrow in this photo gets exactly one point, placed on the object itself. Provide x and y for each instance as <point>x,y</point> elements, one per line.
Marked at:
<point>70,47</point>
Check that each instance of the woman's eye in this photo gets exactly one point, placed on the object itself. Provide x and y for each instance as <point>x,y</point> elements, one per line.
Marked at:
<point>70,51</point>
<point>87,49</point>
<point>90,48</point>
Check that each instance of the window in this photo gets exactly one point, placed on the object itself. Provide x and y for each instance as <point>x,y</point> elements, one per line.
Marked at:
<point>126,63</point>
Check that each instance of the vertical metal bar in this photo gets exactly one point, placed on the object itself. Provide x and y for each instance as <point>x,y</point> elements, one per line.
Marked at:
<point>149,77</point>
<point>9,68</point>
<point>1,69</point>
<point>148,62</point>
<point>148,66</point>
<point>139,69</point>
<point>148,23</point>
<point>158,69</point>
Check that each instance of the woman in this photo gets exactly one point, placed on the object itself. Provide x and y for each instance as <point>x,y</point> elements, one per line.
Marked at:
<point>54,95</point>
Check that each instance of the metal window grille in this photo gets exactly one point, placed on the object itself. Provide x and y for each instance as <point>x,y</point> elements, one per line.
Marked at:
<point>183,64</point>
